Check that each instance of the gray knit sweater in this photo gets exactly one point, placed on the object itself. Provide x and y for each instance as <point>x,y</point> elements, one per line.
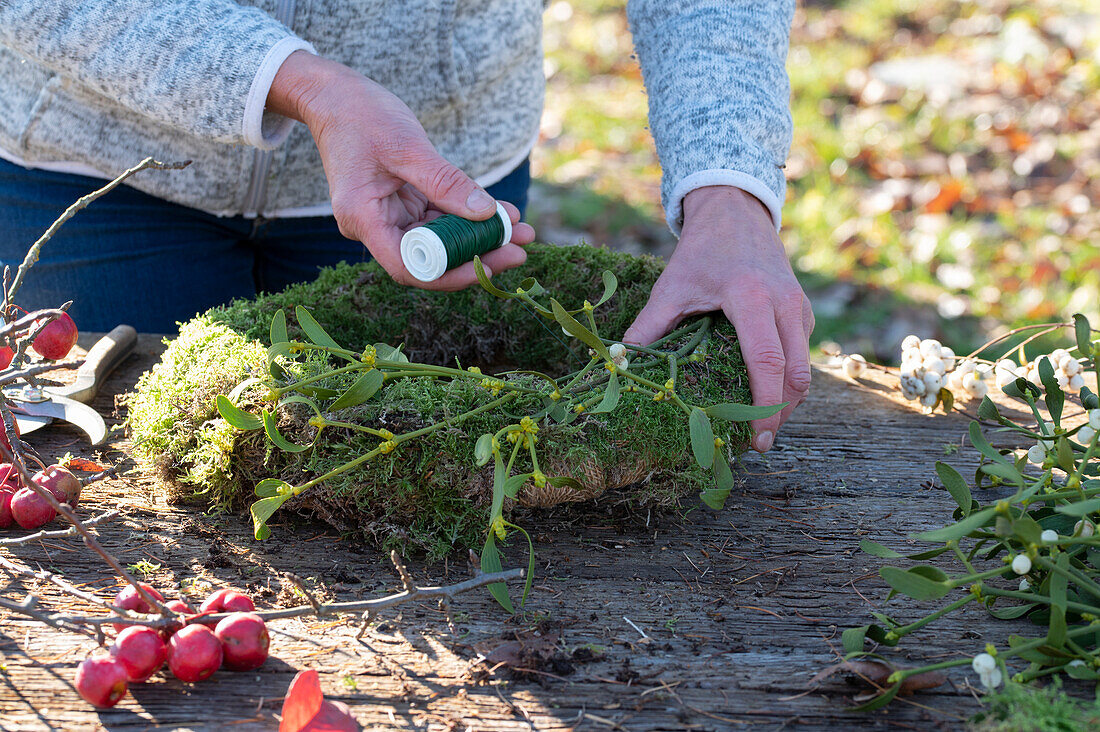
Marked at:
<point>91,86</point>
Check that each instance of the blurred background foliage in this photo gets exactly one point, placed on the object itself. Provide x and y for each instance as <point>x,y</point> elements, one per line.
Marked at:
<point>944,177</point>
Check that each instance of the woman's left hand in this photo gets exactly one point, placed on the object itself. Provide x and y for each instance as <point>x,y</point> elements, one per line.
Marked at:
<point>730,258</point>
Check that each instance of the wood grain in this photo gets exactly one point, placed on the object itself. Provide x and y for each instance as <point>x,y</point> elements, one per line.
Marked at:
<point>739,608</point>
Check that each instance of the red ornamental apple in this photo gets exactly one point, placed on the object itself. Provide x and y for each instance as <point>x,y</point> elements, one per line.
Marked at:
<point>128,598</point>
<point>56,339</point>
<point>6,519</point>
<point>64,486</point>
<point>31,510</point>
<point>244,641</point>
<point>227,600</point>
<point>141,652</point>
<point>101,681</point>
<point>10,474</point>
<point>194,653</point>
<point>179,607</point>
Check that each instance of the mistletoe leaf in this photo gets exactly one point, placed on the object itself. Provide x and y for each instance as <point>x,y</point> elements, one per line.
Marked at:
<point>236,416</point>
<point>490,563</point>
<point>956,486</point>
<point>278,328</point>
<point>734,412</point>
<point>578,331</point>
<point>269,487</point>
<point>723,483</point>
<point>362,390</point>
<point>313,329</point>
<point>261,512</point>
<point>487,284</point>
<point>483,450</point>
<point>273,434</point>
<point>702,437</point>
<point>610,284</point>
<point>610,396</point>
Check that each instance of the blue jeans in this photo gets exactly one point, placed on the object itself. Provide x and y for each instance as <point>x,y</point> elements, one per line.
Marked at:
<point>132,258</point>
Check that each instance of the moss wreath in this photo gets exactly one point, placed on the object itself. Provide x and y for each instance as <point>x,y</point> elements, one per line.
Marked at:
<point>431,493</point>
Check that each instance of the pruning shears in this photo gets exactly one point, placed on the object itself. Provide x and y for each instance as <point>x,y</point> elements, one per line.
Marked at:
<point>35,407</point>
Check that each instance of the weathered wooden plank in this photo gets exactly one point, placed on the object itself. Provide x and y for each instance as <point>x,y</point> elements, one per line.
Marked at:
<point>739,608</point>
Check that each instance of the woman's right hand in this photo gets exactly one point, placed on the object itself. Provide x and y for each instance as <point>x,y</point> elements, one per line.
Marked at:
<point>384,175</point>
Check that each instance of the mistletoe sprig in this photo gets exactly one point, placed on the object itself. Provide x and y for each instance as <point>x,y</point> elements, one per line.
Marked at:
<point>302,372</point>
<point>1043,538</point>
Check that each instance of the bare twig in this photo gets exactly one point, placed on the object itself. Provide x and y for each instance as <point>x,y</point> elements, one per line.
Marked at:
<point>61,534</point>
<point>447,592</point>
<point>42,574</point>
<point>16,376</point>
<point>36,248</point>
<point>27,607</point>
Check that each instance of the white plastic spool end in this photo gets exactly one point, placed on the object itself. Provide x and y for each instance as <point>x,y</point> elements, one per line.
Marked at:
<point>424,255</point>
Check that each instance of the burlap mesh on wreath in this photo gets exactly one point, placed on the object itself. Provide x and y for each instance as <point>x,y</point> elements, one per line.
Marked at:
<point>429,493</point>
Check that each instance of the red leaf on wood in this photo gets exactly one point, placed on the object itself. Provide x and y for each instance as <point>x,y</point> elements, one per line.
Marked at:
<point>85,465</point>
<point>306,710</point>
<point>302,702</point>
<point>334,717</point>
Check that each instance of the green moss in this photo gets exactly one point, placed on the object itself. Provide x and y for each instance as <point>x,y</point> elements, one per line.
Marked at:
<point>429,492</point>
<point>1019,708</point>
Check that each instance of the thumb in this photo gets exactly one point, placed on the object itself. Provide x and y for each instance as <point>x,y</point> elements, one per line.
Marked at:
<point>444,185</point>
<point>655,320</point>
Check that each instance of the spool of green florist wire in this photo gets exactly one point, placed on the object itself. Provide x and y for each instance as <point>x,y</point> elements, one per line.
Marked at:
<point>430,250</point>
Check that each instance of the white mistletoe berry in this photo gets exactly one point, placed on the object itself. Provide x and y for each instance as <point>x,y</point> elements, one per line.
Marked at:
<point>1070,365</point>
<point>973,385</point>
<point>617,350</point>
<point>1076,382</point>
<point>1084,529</point>
<point>1085,434</point>
<point>910,342</point>
<point>1036,454</point>
<point>1049,536</point>
<point>1021,564</point>
<point>1094,419</point>
<point>854,365</point>
<point>948,357</point>
<point>912,384</point>
<point>992,679</point>
<point>936,364</point>
<point>966,366</point>
<point>984,663</point>
<point>930,347</point>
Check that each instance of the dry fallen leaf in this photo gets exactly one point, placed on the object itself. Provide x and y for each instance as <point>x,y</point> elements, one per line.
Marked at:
<point>876,673</point>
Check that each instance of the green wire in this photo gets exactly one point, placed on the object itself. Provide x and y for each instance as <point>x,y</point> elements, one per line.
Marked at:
<point>464,239</point>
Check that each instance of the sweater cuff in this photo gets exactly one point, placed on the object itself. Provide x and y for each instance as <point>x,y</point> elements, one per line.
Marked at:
<point>721,177</point>
<point>267,130</point>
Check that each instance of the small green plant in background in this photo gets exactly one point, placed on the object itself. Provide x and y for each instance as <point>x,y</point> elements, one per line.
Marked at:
<point>521,402</point>
<point>1034,554</point>
<point>145,568</point>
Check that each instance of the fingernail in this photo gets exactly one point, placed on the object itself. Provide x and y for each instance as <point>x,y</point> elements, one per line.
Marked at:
<point>763,441</point>
<point>479,201</point>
